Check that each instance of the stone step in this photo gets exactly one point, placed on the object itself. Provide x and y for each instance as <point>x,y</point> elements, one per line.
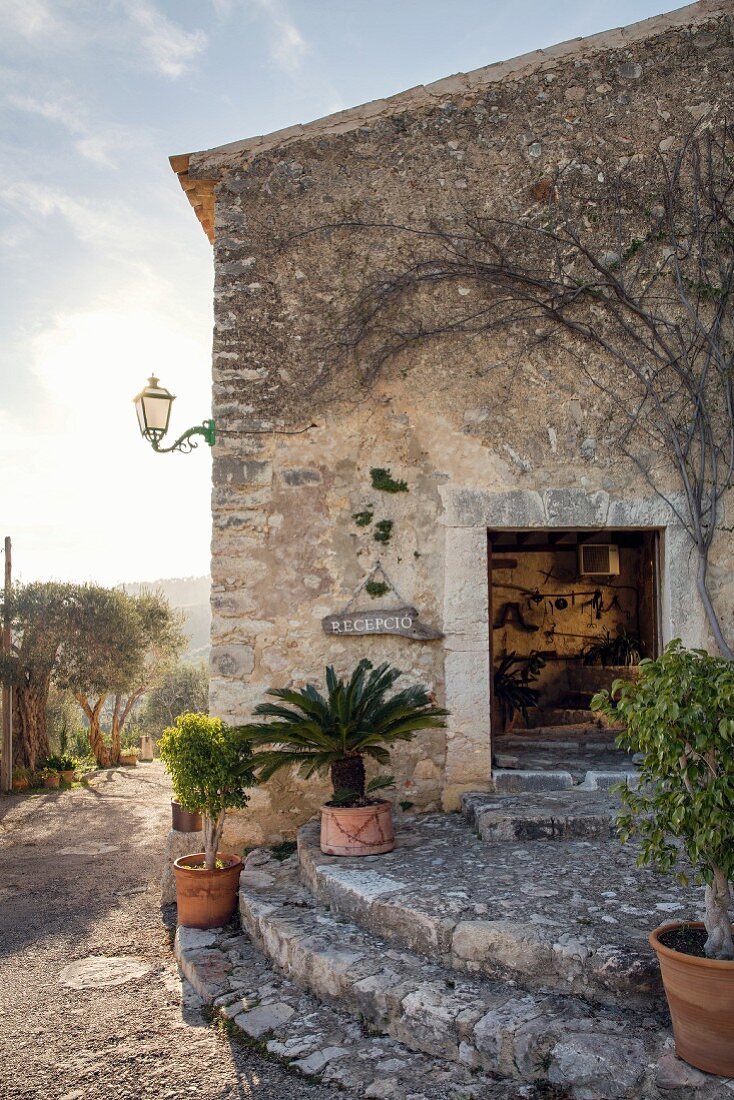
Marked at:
<point>231,975</point>
<point>495,1027</point>
<point>556,815</point>
<point>515,780</point>
<point>586,737</point>
<point>572,917</point>
<point>563,716</point>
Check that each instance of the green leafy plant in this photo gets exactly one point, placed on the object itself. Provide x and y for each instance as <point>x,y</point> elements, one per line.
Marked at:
<point>363,519</point>
<point>335,732</point>
<point>512,679</point>
<point>210,765</point>
<point>385,482</point>
<point>56,764</point>
<point>613,649</point>
<point>383,530</point>
<point>680,717</point>
<point>375,589</point>
<point>66,763</point>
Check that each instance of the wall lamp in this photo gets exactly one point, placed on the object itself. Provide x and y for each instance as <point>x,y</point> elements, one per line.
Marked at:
<point>153,406</point>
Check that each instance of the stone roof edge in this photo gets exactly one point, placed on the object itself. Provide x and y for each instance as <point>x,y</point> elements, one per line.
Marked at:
<point>199,171</point>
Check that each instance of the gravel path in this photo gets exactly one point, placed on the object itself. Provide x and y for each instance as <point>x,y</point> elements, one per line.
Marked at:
<point>79,873</point>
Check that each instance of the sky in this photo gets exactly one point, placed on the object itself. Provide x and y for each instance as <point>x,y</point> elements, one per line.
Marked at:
<point>107,276</point>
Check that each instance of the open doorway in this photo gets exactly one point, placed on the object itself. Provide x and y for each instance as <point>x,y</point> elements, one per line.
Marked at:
<point>570,611</point>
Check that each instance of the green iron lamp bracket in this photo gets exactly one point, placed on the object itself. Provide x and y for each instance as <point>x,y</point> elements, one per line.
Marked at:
<point>186,442</point>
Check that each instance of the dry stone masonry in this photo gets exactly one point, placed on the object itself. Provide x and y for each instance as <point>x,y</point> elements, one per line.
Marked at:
<point>485,433</point>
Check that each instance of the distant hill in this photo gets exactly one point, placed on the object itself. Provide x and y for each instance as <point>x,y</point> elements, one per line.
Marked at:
<point>190,595</point>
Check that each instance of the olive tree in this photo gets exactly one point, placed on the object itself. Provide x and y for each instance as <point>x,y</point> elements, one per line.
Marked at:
<point>210,765</point>
<point>182,687</point>
<point>121,643</point>
<point>680,716</point>
<point>42,616</point>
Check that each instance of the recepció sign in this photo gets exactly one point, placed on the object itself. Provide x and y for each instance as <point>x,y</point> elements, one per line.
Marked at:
<point>403,621</point>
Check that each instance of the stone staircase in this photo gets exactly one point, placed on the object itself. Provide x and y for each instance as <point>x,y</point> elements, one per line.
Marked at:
<point>561,747</point>
<point>503,950</point>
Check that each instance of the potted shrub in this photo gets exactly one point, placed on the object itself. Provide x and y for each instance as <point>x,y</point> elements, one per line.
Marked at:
<point>66,766</point>
<point>511,686</point>
<point>50,778</point>
<point>210,765</point>
<point>680,717</point>
<point>21,779</point>
<point>129,754</point>
<point>334,733</point>
<point>607,658</point>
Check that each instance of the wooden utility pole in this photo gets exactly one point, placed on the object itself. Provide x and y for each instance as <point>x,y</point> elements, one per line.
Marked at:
<point>6,765</point>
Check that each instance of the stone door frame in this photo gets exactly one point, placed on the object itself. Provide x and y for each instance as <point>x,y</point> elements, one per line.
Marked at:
<point>468,515</point>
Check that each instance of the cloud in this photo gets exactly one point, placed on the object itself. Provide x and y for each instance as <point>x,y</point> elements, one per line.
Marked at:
<point>170,48</point>
<point>288,47</point>
<point>95,143</point>
<point>115,227</point>
<point>31,19</point>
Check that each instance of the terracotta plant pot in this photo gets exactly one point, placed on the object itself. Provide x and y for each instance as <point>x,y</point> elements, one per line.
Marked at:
<point>184,821</point>
<point>700,996</point>
<point>357,830</point>
<point>52,782</point>
<point>206,899</point>
<point>68,776</point>
<point>21,784</point>
<point>128,761</point>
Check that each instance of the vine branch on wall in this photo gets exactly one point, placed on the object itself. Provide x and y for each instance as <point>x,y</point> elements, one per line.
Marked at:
<point>645,295</point>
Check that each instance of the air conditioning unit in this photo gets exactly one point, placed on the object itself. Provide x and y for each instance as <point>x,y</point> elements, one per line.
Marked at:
<point>598,559</point>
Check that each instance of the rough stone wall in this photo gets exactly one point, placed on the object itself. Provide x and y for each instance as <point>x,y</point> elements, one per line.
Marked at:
<point>481,413</point>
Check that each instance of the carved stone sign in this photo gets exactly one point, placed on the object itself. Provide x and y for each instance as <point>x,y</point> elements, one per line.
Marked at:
<point>401,620</point>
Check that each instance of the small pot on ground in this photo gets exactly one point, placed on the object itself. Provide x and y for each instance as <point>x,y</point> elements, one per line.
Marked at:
<point>700,996</point>
<point>206,898</point>
<point>184,821</point>
<point>22,783</point>
<point>68,775</point>
<point>51,780</point>
<point>129,759</point>
<point>357,830</point>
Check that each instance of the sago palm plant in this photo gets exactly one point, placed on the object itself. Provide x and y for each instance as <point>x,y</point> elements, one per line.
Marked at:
<point>336,731</point>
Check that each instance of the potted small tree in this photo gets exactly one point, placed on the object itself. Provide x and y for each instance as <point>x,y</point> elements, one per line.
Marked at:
<point>129,753</point>
<point>210,765</point>
<point>608,657</point>
<point>21,779</point>
<point>680,716</point>
<point>334,733</point>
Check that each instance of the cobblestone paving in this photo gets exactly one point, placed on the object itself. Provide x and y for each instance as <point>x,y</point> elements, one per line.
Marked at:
<point>589,889</point>
<point>79,877</point>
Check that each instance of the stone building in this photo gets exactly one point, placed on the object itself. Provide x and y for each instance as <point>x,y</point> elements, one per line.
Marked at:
<point>506,453</point>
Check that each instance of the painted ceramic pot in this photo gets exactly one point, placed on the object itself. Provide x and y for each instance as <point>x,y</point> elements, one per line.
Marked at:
<point>357,830</point>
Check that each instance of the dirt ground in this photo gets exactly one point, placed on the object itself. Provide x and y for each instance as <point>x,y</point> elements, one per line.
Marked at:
<point>79,874</point>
